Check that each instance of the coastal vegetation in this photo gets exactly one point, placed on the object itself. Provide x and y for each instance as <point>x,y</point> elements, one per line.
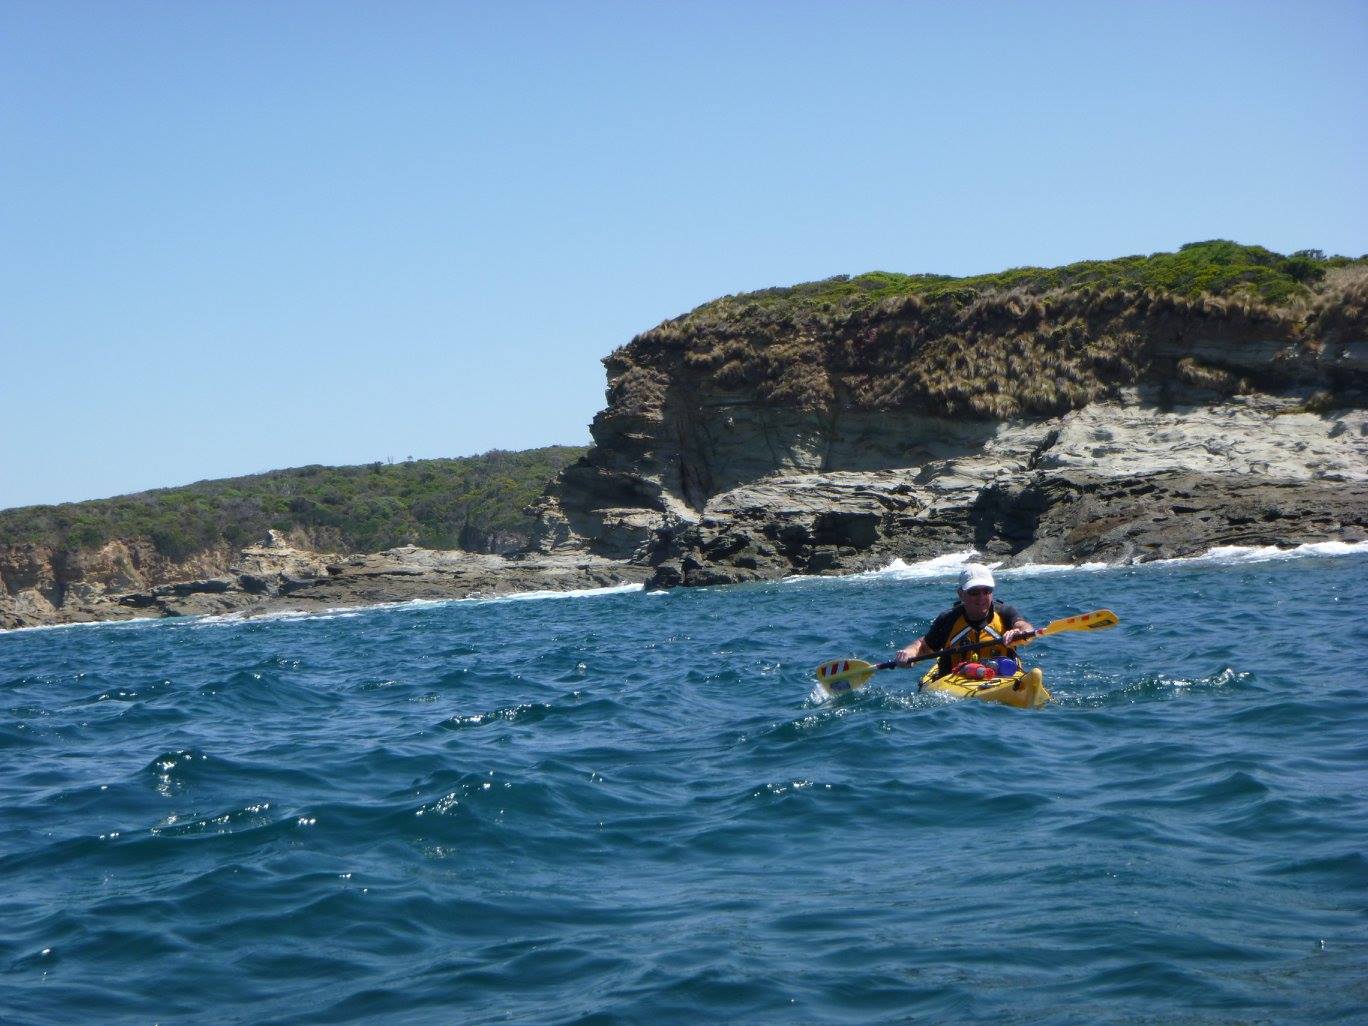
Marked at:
<point>1217,267</point>
<point>477,503</point>
<point>1022,342</point>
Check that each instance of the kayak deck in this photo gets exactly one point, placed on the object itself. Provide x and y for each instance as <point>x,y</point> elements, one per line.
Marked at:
<point>1024,689</point>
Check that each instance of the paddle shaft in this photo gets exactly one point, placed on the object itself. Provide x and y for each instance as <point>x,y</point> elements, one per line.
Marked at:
<point>893,664</point>
<point>1097,620</point>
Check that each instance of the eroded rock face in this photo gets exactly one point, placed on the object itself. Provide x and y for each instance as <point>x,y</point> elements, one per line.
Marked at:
<point>40,585</point>
<point>272,578</point>
<point>1257,435</point>
<point>1118,483</point>
<point>724,425</point>
<point>1084,518</point>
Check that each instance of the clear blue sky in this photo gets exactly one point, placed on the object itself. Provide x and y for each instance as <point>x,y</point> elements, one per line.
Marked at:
<point>247,235</point>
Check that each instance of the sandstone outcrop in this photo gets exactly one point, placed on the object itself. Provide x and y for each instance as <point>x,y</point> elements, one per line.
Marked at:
<point>275,576</point>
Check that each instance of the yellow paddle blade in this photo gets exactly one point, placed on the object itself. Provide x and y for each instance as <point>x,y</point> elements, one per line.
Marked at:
<point>1097,620</point>
<point>841,675</point>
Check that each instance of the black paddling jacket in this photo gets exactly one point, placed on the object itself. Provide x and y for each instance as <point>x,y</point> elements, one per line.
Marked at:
<point>952,629</point>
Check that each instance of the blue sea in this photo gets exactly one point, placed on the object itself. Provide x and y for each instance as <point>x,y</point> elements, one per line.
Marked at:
<point>620,807</point>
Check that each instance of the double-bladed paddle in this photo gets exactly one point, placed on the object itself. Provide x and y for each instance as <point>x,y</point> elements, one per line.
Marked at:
<point>838,676</point>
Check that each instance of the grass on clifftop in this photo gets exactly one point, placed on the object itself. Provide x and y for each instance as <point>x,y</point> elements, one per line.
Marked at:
<point>1217,267</point>
<point>1028,341</point>
<point>439,504</point>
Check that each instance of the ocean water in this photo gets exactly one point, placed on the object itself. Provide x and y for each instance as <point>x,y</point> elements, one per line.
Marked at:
<point>630,808</point>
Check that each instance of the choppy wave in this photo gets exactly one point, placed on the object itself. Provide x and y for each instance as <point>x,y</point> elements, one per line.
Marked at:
<point>634,811</point>
<point>274,616</point>
<point>336,612</point>
<point>40,628</point>
<point>348,611</point>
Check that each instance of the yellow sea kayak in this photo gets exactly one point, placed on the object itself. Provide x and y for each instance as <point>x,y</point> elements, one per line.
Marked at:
<point>1024,689</point>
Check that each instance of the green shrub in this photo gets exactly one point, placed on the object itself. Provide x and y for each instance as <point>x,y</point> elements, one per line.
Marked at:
<point>367,508</point>
<point>1215,267</point>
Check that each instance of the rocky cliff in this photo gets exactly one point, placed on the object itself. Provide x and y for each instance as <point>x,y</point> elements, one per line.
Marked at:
<point>774,434</point>
<point>1121,411</point>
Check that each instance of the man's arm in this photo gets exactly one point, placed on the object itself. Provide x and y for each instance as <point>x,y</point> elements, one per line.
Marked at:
<point>914,651</point>
<point>1019,631</point>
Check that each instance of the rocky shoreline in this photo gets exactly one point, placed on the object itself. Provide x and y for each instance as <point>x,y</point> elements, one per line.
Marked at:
<point>813,431</point>
<point>276,577</point>
<point>1118,482</point>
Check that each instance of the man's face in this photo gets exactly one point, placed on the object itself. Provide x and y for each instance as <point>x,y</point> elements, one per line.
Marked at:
<point>976,602</point>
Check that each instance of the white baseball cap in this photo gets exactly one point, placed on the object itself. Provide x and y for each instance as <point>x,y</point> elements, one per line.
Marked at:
<point>976,575</point>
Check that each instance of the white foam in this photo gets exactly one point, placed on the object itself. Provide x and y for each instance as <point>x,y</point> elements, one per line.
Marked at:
<point>950,565</point>
<point>898,570</point>
<point>529,596</point>
<point>1041,569</point>
<point>346,612</point>
<point>1236,554</point>
<point>242,616</point>
<point>941,566</point>
<point>246,616</point>
<point>136,621</point>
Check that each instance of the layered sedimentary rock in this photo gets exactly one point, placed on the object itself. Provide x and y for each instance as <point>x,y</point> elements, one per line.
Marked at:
<point>1109,427</point>
<point>1121,481</point>
<point>40,584</point>
<point>276,576</point>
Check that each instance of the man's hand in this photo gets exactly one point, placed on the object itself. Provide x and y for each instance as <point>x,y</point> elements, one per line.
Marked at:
<point>1018,634</point>
<point>906,655</point>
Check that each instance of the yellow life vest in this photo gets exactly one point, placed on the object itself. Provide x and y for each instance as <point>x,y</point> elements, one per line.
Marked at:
<point>962,632</point>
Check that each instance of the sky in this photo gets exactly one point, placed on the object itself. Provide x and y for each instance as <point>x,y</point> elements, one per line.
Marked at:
<point>239,236</point>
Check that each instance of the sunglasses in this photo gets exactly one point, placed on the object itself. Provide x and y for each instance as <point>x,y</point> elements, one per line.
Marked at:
<point>979,591</point>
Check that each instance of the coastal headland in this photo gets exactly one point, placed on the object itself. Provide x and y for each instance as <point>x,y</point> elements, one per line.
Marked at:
<point>1110,411</point>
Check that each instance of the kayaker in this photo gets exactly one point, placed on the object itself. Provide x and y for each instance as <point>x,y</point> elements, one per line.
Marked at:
<point>977,616</point>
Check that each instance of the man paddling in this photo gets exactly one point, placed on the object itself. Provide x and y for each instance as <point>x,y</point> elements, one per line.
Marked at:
<point>976,617</point>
